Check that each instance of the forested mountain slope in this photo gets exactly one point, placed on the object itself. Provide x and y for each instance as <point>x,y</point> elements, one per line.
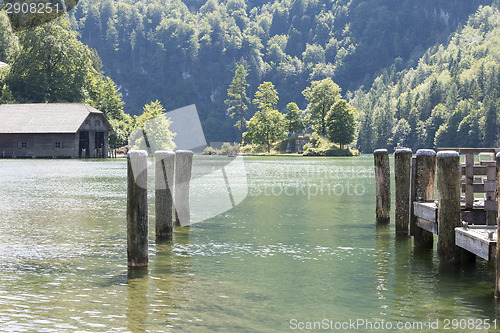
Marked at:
<point>451,98</point>
<point>185,52</point>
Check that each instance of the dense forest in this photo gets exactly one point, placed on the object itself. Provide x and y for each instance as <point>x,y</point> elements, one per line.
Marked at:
<point>185,52</point>
<point>450,99</point>
<point>419,74</point>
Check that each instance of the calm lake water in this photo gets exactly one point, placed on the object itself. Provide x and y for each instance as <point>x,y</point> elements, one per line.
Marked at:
<point>302,247</point>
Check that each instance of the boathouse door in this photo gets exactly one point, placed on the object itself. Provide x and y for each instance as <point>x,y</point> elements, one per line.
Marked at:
<point>83,145</point>
<point>99,144</point>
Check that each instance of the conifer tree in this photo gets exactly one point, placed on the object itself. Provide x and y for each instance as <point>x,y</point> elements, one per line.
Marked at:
<point>237,98</point>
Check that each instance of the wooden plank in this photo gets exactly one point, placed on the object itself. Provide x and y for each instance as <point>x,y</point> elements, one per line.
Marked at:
<point>479,170</point>
<point>430,226</point>
<point>475,240</point>
<point>488,186</point>
<point>425,210</point>
<point>472,150</point>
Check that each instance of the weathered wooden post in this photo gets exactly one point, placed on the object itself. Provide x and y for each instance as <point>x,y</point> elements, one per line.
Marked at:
<point>402,168</point>
<point>413,196</point>
<point>183,166</point>
<point>491,212</point>
<point>497,253</point>
<point>383,185</point>
<point>425,170</point>
<point>449,172</point>
<point>164,189</point>
<point>137,209</point>
<point>469,180</point>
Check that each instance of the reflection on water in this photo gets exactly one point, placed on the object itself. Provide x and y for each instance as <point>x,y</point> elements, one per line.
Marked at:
<point>303,245</point>
<point>382,265</point>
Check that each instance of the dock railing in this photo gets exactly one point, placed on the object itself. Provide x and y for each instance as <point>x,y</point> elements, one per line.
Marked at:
<point>479,176</point>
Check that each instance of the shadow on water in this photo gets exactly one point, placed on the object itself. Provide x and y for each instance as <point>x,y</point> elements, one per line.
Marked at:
<point>170,278</point>
<point>167,278</point>
<point>137,300</point>
<point>402,250</point>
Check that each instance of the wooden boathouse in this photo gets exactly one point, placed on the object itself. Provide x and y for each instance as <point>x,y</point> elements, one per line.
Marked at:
<point>53,130</point>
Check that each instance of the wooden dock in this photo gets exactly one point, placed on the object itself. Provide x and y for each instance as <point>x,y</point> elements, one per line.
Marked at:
<point>479,213</point>
<point>478,239</point>
<point>466,212</point>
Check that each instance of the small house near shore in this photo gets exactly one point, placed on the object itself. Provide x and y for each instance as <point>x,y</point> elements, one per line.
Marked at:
<point>57,130</point>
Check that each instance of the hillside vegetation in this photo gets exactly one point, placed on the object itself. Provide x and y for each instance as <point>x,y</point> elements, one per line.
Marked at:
<point>186,52</point>
<point>451,98</point>
<point>420,74</point>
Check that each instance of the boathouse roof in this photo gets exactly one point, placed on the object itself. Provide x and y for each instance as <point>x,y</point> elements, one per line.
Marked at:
<point>45,117</point>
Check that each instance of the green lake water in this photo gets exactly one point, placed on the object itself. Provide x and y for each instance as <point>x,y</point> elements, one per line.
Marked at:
<point>302,247</point>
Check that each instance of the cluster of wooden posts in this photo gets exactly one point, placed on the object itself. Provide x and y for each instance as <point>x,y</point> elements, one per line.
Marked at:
<point>172,177</point>
<point>464,224</point>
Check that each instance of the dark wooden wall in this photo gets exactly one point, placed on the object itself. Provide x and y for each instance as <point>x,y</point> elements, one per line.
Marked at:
<point>38,145</point>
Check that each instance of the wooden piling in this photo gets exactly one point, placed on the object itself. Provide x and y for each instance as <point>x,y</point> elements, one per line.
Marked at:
<point>413,196</point>
<point>490,196</point>
<point>402,167</point>
<point>383,185</point>
<point>164,189</point>
<point>469,180</point>
<point>449,172</point>
<point>137,209</point>
<point>497,253</point>
<point>424,190</point>
<point>183,166</point>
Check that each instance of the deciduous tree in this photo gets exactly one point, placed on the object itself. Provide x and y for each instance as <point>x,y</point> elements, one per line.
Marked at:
<point>294,121</point>
<point>52,65</point>
<point>151,130</point>
<point>321,95</point>
<point>268,124</point>
<point>341,123</point>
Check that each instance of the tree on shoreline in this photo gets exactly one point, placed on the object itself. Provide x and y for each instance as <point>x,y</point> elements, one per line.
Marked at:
<point>237,98</point>
<point>151,130</point>
<point>341,123</point>
<point>52,65</point>
<point>294,122</point>
<point>268,124</point>
<point>321,95</point>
